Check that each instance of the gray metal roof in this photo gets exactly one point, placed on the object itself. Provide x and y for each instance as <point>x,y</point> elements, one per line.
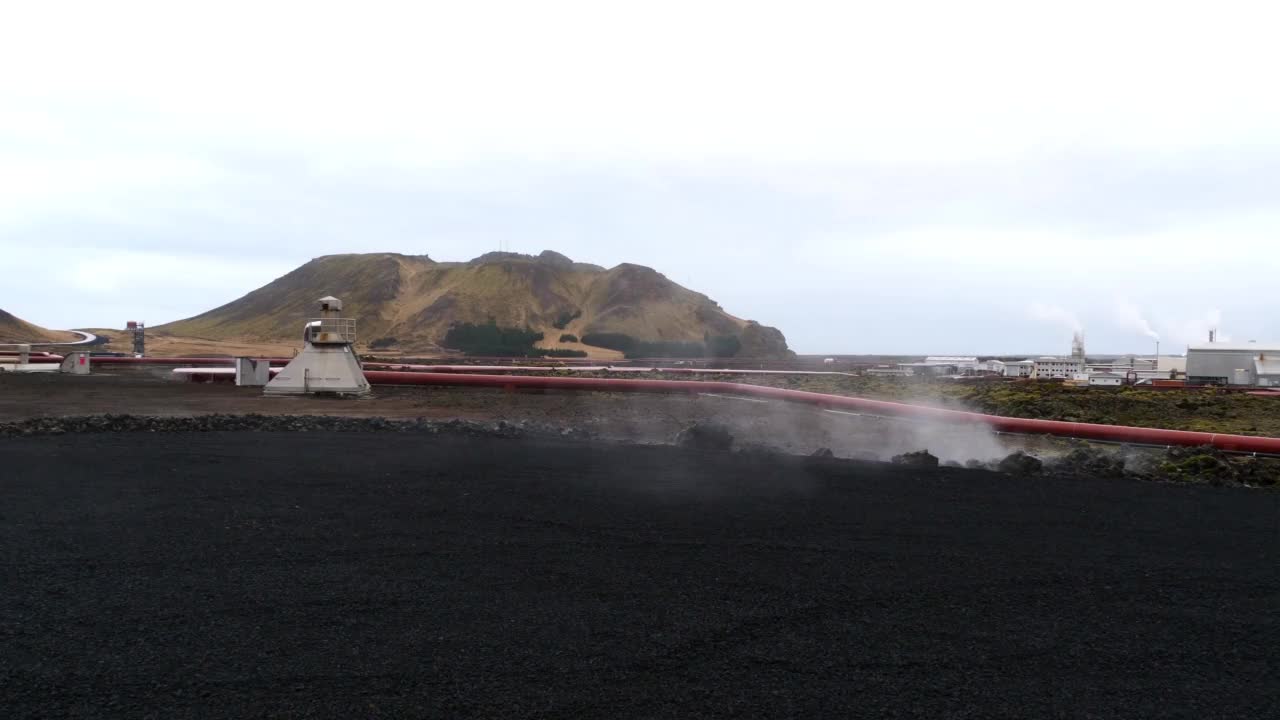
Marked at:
<point>1267,347</point>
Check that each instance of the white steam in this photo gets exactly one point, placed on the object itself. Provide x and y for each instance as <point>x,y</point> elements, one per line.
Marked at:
<point>1056,315</point>
<point>1130,317</point>
<point>1196,328</point>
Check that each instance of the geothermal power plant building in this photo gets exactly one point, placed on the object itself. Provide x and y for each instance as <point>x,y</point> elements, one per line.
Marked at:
<point>1223,363</point>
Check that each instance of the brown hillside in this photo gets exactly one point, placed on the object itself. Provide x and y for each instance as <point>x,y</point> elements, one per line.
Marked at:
<point>16,330</point>
<point>413,300</point>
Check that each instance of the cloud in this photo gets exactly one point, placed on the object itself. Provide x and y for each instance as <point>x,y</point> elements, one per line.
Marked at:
<point>862,178</point>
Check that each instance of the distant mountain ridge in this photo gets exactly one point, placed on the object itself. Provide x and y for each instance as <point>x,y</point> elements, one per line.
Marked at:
<point>410,301</point>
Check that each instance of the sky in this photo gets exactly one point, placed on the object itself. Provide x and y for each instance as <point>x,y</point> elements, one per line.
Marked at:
<point>913,177</point>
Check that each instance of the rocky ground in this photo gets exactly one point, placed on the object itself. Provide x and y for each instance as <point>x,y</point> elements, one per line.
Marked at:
<point>150,400</point>
<point>469,570</point>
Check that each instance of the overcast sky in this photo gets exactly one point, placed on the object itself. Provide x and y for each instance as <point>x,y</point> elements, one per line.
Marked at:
<point>869,177</point>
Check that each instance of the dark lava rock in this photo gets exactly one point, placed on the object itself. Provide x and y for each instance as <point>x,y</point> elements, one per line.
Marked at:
<point>1020,463</point>
<point>1090,462</point>
<point>282,423</point>
<point>1211,465</point>
<point>760,450</point>
<point>919,458</point>
<point>706,437</point>
<point>975,464</point>
<point>822,453</point>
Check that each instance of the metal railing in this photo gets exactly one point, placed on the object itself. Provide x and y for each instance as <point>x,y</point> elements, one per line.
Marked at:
<point>332,330</point>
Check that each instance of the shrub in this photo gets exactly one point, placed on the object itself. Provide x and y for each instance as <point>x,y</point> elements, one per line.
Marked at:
<point>610,341</point>
<point>724,346</point>
<point>566,317</point>
<point>383,343</point>
<point>569,337</point>
<point>490,339</point>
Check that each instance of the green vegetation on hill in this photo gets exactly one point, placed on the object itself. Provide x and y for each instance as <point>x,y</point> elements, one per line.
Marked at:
<point>491,340</point>
<point>564,318</point>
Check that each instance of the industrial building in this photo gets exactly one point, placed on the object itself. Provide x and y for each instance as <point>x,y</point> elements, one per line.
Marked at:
<point>961,364</point>
<point>1221,363</point>
<point>1019,368</point>
<point>1056,367</point>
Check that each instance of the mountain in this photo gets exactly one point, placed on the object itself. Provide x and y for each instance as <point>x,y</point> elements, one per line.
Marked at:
<point>410,302</point>
<point>16,330</point>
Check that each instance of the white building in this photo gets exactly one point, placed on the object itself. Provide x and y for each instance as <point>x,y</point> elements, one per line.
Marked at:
<point>962,364</point>
<point>1106,379</point>
<point>1019,368</point>
<point>1056,367</point>
<point>994,366</point>
<point>928,368</point>
<point>888,371</point>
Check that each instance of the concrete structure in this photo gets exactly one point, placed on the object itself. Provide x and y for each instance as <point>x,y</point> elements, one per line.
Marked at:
<point>1105,380</point>
<point>328,362</point>
<point>75,363</point>
<point>252,372</point>
<point>1221,363</point>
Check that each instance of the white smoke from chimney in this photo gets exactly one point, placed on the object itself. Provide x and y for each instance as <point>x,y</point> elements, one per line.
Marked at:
<point>1130,317</point>
<point>1057,315</point>
<point>1196,328</point>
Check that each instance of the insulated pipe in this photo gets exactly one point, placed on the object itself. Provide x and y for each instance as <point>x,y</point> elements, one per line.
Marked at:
<point>127,360</point>
<point>592,368</point>
<point>1086,431</point>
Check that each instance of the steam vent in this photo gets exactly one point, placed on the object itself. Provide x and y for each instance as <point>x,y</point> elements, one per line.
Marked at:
<point>328,362</point>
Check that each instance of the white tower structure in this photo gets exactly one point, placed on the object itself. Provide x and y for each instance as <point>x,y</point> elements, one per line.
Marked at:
<point>328,362</point>
<point>1077,350</point>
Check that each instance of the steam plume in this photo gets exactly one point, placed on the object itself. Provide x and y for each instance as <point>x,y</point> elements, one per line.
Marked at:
<point>1056,315</point>
<point>1130,317</point>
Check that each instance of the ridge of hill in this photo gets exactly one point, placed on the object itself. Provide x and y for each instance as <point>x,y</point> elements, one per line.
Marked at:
<point>16,330</point>
<point>410,302</point>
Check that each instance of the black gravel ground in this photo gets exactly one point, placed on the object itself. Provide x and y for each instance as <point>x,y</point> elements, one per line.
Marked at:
<point>352,575</point>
